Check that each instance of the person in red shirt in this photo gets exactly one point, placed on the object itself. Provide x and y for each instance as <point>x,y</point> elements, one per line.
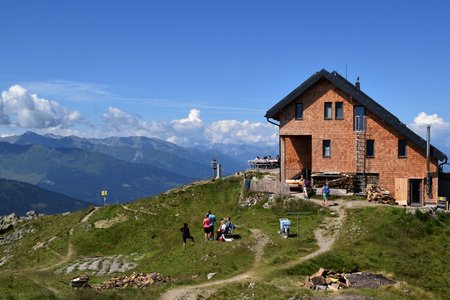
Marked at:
<point>206,226</point>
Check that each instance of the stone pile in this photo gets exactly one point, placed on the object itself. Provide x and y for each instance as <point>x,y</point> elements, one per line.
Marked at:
<point>375,194</point>
<point>8,222</point>
<point>11,220</point>
<point>327,280</point>
<point>10,232</point>
<point>250,200</point>
<point>140,280</point>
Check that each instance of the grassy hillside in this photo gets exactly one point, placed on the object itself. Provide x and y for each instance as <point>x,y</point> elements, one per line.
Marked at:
<point>408,248</point>
<point>412,249</point>
<point>150,237</point>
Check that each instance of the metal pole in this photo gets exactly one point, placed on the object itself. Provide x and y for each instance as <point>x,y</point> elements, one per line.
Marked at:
<point>428,162</point>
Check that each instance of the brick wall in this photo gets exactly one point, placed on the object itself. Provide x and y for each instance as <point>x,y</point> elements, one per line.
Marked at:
<point>343,145</point>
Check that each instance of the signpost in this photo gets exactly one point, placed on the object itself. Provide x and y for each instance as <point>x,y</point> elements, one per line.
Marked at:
<point>214,166</point>
<point>104,193</point>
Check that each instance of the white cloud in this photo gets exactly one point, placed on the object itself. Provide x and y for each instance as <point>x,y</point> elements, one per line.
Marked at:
<point>246,132</point>
<point>191,130</point>
<point>423,119</point>
<point>20,108</point>
<point>192,122</point>
<point>440,129</point>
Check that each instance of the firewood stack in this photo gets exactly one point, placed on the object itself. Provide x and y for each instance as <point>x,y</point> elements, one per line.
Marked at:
<point>140,280</point>
<point>344,182</point>
<point>374,194</point>
<point>327,280</point>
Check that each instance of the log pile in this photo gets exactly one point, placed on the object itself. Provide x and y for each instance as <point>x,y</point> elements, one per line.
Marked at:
<point>327,280</point>
<point>140,280</point>
<point>374,194</point>
<point>344,182</point>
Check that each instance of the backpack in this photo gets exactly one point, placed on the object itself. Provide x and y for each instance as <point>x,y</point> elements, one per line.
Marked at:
<point>306,183</point>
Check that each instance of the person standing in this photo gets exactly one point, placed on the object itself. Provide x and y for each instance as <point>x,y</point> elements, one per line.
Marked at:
<point>206,226</point>
<point>212,221</point>
<point>305,187</point>
<point>186,234</point>
<point>325,194</point>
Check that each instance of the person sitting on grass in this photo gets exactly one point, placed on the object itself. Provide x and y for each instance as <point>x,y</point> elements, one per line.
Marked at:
<point>186,234</point>
<point>221,229</point>
<point>229,227</point>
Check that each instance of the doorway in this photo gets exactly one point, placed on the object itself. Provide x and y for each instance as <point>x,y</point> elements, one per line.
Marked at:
<point>415,191</point>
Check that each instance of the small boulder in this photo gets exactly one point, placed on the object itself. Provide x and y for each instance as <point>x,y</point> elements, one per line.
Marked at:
<point>11,218</point>
<point>32,214</point>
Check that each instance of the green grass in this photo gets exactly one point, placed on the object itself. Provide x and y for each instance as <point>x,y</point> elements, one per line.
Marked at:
<point>157,241</point>
<point>410,248</point>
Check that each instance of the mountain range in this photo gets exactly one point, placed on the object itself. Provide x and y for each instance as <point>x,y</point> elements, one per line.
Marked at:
<point>23,197</point>
<point>127,167</point>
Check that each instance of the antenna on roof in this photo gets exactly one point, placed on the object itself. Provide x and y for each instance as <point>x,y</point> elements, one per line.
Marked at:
<point>345,71</point>
<point>358,84</point>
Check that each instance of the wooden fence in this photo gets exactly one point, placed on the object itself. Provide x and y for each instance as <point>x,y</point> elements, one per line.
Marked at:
<point>269,186</point>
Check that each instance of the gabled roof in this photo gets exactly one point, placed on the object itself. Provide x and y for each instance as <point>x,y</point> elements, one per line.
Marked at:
<point>360,97</point>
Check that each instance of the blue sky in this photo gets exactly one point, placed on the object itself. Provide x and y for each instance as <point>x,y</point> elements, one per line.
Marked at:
<point>206,71</point>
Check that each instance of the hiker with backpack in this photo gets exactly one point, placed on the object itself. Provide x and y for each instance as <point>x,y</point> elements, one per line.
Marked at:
<point>212,221</point>
<point>325,194</point>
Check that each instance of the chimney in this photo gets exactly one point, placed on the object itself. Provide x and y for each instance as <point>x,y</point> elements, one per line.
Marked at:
<point>358,85</point>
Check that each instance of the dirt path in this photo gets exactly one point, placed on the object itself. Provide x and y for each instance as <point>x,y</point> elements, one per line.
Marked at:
<point>139,211</point>
<point>69,252</point>
<point>86,217</point>
<point>325,235</point>
<point>191,292</point>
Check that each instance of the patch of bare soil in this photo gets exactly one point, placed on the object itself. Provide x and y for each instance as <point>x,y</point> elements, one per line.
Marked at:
<point>110,222</point>
<point>341,297</point>
<point>367,280</point>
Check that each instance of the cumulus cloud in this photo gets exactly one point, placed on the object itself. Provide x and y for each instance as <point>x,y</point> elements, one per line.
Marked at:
<point>191,130</point>
<point>21,108</point>
<point>245,132</point>
<point>193,121</point>
<point>440,129</point>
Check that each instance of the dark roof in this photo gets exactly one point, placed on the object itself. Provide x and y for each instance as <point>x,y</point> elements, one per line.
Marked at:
<point>360,97</point>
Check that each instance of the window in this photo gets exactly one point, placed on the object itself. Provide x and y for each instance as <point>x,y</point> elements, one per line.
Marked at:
<point>370,148</point>
<point>339,111</point>
<point>401,148</point>
<point>326,148</point>
<point>299,111</point>
<point>328,111</point>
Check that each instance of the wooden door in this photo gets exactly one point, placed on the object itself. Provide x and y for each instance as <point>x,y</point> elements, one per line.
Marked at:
<point>401,190</point>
